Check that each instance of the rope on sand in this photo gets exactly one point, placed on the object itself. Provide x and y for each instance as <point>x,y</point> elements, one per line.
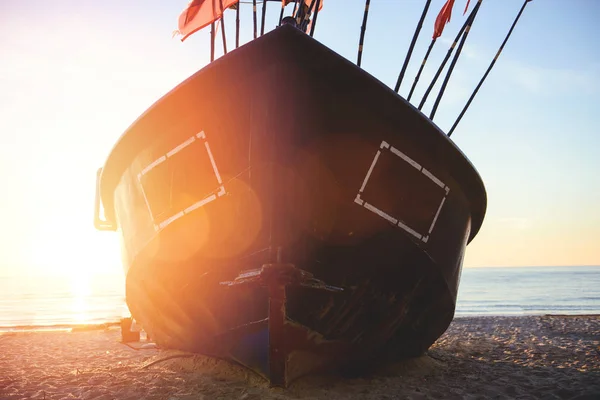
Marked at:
<point>167,358</point>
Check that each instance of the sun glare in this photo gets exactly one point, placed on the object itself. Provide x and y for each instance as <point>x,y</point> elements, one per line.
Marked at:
<point>81,291</point>
<point>75,253</point>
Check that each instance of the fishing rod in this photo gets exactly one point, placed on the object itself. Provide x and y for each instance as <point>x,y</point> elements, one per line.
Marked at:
<point>414,85</point>
<point>448,54</point>
<point>464,110</point>
<point>411,48</point>
<point>223,35</point>
<point>303,13</point>
<point>314,21</point>
<point>442,19</point>
<point>254,17</point>
<point>362,32</point>
<point>281,13</point>
<point>237,26</point>
<point>212,41</point>
<point>453,64</point>
<point>264,15</point>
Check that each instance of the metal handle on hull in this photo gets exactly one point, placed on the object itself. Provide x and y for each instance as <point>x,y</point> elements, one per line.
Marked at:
<point>100,224</point>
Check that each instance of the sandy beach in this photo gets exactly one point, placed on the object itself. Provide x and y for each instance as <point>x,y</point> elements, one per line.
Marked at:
<point>549,357</point>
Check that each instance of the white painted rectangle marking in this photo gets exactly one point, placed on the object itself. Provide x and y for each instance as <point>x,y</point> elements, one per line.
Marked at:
<point>358,200</point>
<point>181,146</point>
<point>166,222</point>
<point>362,188</point>
<point>406,158</point>
<point>436,215</point>
<point>381,213</point>
<point>154,164</point>
<point>146,201</point>
<point>409,230</point>
<point>200,203</point>
<point>433,178</point>
<point>212,161</point>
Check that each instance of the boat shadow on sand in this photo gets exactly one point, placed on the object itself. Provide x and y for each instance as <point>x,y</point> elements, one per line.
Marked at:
<point>490,357</point>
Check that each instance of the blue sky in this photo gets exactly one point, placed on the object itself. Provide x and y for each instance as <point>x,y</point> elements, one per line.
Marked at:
<point>75,74</point>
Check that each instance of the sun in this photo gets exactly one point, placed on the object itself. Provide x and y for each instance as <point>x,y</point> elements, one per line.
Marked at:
<point>81,252</point>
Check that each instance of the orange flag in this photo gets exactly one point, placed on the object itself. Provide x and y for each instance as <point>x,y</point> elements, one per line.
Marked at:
<point>307,2</point>
<point>442,19</point>
<point>466,7</point>
<point>201,13</point>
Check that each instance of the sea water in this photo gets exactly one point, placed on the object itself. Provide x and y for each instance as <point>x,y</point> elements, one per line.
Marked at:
<point>47,301</point>
<point>34,302</point>
<point>529,291</point>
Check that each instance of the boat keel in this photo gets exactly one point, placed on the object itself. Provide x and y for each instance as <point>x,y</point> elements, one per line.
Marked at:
<point>284,336</point>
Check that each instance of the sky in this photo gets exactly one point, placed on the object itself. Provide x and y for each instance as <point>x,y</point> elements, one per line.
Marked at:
<point>74,74</point>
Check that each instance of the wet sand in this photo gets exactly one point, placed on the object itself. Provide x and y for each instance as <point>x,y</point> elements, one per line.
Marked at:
<point>549,357</point>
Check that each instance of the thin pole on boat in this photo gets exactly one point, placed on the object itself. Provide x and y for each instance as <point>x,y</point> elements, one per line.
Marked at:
<point>464,110</point>
<point>412,46</point>
<point>254,16</point>
<point>237,25</point>
<point>303,15</point>
<point>452,65</point>
<point>314,21</point>
<point>223,35</point>
<point>414,85</point>
<point>281,13</point>
<point>363,29</point>
<point>448,54</point>
<point>264,15</point>
<point>295,7</point>
<point>212,41</point>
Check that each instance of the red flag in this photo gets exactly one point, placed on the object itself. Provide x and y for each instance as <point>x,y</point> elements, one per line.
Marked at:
<point>201,13</point>
<point>466,7</point>
<point>307,2</point>
<point>442,19</point>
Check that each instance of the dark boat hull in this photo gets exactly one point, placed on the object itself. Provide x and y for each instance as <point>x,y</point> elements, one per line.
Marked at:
<point>279,153</point>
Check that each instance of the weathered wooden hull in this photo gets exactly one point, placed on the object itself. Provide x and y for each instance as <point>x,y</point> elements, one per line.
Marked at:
<point>282,152</point>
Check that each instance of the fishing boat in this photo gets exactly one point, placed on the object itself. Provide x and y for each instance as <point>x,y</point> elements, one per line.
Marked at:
<point>294,223</point>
